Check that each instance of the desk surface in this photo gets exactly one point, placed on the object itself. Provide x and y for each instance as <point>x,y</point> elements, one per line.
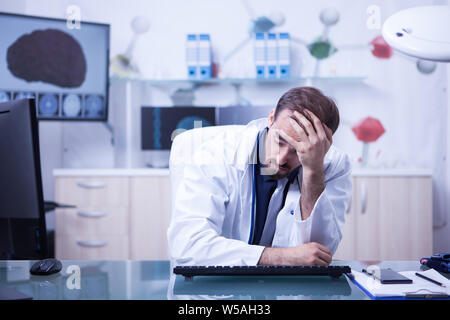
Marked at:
<point>154,280</point>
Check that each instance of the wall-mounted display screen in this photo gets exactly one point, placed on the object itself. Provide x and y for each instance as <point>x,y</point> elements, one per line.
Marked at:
<point>64,68</point>
<point>241,115</point>
<point>159,125</point>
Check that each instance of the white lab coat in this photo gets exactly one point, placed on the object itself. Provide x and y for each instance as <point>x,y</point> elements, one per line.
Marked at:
<point>212,212</point>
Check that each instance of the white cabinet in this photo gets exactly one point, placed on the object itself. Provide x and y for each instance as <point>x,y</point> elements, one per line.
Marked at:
<point>122,216</point>
<point>390,218</point>
<point>150,217</point>
<point>98,228</point>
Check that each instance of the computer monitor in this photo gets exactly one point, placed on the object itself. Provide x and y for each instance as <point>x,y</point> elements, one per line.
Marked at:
<point>22,216</point>
<point>242,115</point>
<point>63,66</point>
<point>160,125</point>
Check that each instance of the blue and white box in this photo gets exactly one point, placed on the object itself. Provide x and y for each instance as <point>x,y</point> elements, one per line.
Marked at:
<point>192,56</point>
<point>204,56</point>
<point>284,58</point>
<point>272,56</point>
<point>260,55</point>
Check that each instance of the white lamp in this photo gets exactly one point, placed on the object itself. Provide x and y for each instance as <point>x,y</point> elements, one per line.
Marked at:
<point>421,32</point>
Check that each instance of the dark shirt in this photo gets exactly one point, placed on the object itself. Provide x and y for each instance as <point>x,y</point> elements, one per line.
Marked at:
<point>265,187</point>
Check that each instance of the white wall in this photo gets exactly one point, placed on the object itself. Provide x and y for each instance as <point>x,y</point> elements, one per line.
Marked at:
<point>411,106</point>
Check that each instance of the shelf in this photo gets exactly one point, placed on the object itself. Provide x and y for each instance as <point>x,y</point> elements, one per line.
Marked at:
<point>186,88</point>
<point>237,81</point>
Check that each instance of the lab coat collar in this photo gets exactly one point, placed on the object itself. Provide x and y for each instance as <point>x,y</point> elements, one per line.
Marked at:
<point>246,149</point>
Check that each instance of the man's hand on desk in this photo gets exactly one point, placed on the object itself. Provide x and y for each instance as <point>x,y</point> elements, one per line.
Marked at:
<point>308,254</point>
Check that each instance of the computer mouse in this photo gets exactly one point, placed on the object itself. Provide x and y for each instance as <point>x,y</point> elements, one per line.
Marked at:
<point>46,267</point>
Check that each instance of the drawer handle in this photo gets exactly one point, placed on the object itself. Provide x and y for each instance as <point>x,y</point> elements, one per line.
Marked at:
<point>91,214</point>
<point>364,198</point>
<point>92,244</point>
<point>92,185</point>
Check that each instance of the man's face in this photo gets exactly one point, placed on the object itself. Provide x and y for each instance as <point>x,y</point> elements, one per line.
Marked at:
<point>280,157</point>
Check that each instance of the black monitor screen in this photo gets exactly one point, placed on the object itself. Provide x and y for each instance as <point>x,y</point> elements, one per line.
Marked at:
<point>242,115</point>
<point>159,125</point>
<point>22,217</point>
<point>63,67</point>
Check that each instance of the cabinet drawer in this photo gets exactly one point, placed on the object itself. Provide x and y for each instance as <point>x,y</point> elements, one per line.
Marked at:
<point>92,221</point>
<point>91,247</point>
<point>92,191</point>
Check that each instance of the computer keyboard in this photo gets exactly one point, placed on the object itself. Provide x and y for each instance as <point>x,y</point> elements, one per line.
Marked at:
<point>190,271</point>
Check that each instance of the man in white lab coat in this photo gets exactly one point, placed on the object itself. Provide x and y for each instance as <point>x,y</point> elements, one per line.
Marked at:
<point>273,192</point>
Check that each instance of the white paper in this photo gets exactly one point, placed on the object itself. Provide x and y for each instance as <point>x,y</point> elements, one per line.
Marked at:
<point>419,285</point>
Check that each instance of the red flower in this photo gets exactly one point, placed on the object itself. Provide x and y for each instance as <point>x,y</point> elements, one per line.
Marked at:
<point>381,48</point>
<point>368,129</point>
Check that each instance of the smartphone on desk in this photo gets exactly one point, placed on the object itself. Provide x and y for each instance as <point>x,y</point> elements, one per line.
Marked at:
<point>389,276</point>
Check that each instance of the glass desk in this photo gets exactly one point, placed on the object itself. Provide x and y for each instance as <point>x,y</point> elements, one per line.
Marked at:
<point>138,280</point>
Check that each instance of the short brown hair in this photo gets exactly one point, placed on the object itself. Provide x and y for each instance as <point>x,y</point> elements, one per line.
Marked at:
<point>300,98</point>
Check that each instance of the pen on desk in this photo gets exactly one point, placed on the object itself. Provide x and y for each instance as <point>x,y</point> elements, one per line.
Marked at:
<point>431,280</point>
<point>369,274</point>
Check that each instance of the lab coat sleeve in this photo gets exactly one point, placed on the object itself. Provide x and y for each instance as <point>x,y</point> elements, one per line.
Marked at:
<point>325,223</point>
<point>195,232</point>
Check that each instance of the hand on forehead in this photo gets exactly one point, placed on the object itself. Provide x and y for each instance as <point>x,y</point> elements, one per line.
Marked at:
<point>289,121</point>
<point>284,122</point>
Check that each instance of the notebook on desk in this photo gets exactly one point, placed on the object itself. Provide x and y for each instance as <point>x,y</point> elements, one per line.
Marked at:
<point>418,289</point>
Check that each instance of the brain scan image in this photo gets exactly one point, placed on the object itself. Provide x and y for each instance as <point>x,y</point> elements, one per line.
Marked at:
<point>94,106</point>
<point>48,105</point>
<point>65,70</point>
<point>192,122</point>
<point>50,56</point>
<point>24,95</point>
<point>4,96</point>
<point>72,105</point>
